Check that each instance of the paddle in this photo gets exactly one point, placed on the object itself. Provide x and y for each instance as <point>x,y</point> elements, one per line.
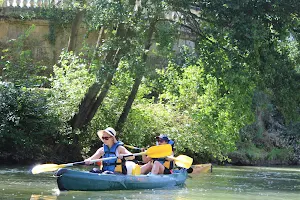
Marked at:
<point>132,147</point>
<point>181,160</point>
<point>153,152</point>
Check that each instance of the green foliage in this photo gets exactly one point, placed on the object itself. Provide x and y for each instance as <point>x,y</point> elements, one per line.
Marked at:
<point>255,154</point>
<point>70,82</point>
<point>216,93</point>
<point>109,13</point>
<point>216,117</point>
<point>218,99</point>
<point>250,47</point>
<point>18,65</point>
<point>254,35</point>
<point>246,63</point>
<point>250,154</point>
<point>165,37</point>
<point>193,112</point>
<point>284,155</point>
<point>149,120</point>
<point>57,18</point>
<point>27,129</point>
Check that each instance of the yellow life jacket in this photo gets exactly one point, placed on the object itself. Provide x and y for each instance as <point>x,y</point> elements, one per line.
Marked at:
<point>167,164</point>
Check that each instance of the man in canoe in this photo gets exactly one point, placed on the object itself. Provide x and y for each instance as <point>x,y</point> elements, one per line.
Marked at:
<point>158,165</point>
<point>111,148</point>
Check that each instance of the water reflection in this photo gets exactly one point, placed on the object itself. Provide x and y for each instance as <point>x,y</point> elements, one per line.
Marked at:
<point>256,178</point>
<point>42,197</point>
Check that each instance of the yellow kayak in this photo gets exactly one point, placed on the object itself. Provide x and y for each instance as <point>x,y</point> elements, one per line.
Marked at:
<point>201,168</point>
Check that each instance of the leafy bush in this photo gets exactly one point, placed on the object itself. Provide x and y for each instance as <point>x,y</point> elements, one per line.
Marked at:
<point>27,130</point>
<point>70,81</point>
<point>282,154</point>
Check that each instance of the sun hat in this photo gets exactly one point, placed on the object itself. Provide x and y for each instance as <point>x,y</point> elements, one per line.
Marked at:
<point>109,131</point>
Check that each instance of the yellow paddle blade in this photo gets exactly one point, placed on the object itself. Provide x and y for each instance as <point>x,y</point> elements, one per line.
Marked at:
<point>45,168</point>
<point>159,151</point>
<point>183,161</point>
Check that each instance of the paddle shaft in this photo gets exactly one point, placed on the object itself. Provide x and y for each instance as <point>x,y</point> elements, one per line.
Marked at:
<point>102,159</point>
<point>154,151</point>
<point>132,147</point>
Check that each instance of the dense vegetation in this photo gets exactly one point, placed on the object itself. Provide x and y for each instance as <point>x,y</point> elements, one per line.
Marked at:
<point>232,96</point>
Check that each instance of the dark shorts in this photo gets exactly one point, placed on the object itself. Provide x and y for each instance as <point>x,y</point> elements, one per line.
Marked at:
<point>167,171</point>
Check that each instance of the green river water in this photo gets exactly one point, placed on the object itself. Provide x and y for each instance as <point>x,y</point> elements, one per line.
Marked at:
<point>225,183</point>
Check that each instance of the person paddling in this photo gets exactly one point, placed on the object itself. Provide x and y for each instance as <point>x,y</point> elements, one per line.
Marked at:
<point>111,148</point>
<point>159,165</point>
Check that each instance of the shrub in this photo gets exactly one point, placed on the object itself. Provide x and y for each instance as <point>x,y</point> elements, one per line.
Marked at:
<point>27,128</point>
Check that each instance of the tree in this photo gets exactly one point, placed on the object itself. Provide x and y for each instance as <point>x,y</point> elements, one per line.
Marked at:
<point>154,14</point>
<point>76,25</point>
<point>129,36</point>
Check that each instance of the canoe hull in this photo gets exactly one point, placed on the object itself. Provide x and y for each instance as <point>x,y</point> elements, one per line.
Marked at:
<point>86,181</point>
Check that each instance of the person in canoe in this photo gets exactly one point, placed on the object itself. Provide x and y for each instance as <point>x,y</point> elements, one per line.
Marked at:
<point>158,165</point>
<point>111,148</point>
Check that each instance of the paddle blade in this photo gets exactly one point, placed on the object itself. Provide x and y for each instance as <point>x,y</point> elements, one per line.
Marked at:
<point>45,168</point>
<point>159,151</point>
<point>183,161</point>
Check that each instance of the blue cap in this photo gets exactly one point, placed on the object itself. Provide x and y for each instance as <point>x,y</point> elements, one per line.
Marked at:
<point>163,137</point>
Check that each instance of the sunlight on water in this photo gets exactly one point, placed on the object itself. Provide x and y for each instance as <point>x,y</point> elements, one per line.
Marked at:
<point>226,183</point>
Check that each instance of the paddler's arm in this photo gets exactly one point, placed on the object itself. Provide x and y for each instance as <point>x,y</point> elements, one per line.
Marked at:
<point>99,153</point>
<point>145,158</point>
<point>122,152</point>
<point>170,158</point>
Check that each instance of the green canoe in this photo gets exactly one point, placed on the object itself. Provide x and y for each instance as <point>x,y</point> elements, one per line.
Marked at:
<point>85,181</point>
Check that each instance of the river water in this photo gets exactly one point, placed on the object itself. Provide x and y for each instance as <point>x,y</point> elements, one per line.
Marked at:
<point>226,183</point>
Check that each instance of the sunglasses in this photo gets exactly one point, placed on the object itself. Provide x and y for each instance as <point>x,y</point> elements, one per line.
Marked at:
<point>106,138</point>
<point>160,140</point>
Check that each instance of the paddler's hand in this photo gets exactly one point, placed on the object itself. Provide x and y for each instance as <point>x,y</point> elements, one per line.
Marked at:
<point>145,158</point>
<point>125,156</point>
<point>88,162</point>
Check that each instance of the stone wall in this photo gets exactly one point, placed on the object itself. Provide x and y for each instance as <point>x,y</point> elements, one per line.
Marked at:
<point>38,42</point>
<point>12,26</point>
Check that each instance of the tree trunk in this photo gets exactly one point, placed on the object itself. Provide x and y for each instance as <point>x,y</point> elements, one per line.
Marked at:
<point>78,119</point>
<point>74,30</point>
<point>129,102</point>
<point>138,80</point>
<point>92,100</point>
<point>76,147</point>
<point>94,107</point>
<point>99,41</point>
